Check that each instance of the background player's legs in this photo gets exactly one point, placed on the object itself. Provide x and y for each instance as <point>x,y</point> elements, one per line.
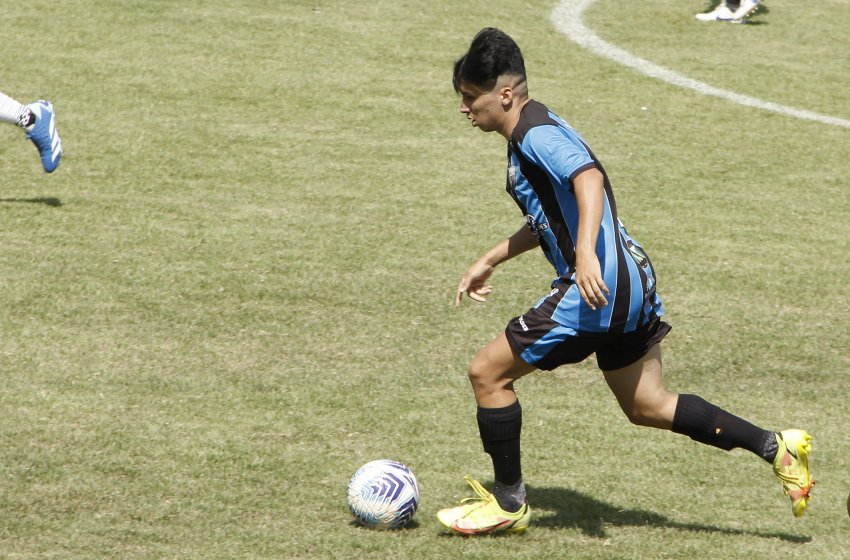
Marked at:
<point>13,112</point>
<point>723,11</point>
<point>38,121</point>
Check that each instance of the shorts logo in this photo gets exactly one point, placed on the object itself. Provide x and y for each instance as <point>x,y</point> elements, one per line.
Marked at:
<point>522,324</point>
<point>537,228</point>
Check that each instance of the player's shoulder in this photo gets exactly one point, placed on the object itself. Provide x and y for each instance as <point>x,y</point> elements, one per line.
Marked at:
<point>533,115</point>
<point>540,132</point>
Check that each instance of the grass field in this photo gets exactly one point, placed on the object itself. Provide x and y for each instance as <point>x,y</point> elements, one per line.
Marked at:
<point>236,288</point>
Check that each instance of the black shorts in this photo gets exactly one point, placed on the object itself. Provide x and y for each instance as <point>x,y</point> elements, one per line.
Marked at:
<point>546,344</point>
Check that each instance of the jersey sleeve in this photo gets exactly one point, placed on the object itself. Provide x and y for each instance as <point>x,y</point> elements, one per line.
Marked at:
<point>560,153</point>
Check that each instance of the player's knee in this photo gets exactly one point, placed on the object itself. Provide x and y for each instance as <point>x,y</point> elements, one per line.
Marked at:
<point>477,373</point>
<point>640,415</point>
<point>653,413</point>
<point>482,376</point>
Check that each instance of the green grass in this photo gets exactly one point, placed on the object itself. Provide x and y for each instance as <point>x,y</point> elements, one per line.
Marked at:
<point>236,288</point>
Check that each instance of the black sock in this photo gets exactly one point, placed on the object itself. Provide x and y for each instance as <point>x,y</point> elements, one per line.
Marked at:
<point>500,432</point>
<point>703,422</point>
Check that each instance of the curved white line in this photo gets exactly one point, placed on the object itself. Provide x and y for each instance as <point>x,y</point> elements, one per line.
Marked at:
<point>566,17</point>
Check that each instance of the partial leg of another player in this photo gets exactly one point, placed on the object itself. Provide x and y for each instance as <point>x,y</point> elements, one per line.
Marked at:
<point>746,8</point>
<point>722,12</point>
<point>730,11</point>
<point>38,120</point>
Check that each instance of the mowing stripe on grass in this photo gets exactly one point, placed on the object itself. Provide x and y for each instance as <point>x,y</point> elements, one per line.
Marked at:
<point>566,16</point>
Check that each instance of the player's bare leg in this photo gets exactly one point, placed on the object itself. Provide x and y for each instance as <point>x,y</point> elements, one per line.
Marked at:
<point>641,394</point>
<point>492,373</point>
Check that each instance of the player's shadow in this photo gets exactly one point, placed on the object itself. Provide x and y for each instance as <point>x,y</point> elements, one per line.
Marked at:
<point>46,200</point>
<point>559,508</point>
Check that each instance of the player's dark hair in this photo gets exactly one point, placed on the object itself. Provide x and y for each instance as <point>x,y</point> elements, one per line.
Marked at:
<point>492,54</point>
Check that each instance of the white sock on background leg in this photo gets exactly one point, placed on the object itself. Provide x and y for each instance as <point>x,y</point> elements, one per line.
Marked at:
<point>12,111</point>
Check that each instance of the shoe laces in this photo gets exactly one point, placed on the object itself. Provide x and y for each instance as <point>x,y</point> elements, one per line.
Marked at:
<point>482,494</point>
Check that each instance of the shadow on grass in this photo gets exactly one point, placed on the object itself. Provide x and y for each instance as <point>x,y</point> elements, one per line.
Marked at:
<point>578,511</point>
<point>46,200</point>
<point>409,526</point>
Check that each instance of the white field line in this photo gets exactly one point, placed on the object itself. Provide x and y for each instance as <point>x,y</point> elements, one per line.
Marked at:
<point>566,17</point>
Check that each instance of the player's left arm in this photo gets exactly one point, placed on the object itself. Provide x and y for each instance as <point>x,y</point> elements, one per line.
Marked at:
<point>589,189</point>
<point>473,282</point>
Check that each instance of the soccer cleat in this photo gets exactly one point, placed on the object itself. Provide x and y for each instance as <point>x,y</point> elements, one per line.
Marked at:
<point>481,515</point>
<point>43,134</point>
<point>720,13</point>
<point>746,8</point>
<point>791,465</point>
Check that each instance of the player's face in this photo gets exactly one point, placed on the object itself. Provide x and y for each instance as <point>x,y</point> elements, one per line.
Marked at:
<point>484,108</point>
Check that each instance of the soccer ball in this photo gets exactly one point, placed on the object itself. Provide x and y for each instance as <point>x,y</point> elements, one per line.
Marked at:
<point>383,494</point>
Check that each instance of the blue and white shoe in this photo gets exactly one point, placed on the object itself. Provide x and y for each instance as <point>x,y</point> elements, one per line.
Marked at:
<point>43,134</point>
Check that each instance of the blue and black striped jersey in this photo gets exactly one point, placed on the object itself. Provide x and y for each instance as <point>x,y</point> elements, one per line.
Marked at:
<point>545,154</point>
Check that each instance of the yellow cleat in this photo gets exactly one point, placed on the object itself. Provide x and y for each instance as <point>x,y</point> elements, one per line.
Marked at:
<point>481,515</point>
<point>791,465</point>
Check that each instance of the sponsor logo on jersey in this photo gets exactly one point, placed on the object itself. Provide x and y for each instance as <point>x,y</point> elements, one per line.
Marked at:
<point>537,228</point>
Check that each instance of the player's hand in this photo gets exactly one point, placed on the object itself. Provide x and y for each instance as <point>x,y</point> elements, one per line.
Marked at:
<point>472,283</point>
<point>590,284</point>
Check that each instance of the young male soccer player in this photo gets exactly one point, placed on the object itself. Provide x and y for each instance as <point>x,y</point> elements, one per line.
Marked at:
<point>38,120</point>
<point>603,302</point>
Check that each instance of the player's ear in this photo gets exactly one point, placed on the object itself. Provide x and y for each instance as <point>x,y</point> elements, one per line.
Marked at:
<point>506,95</point>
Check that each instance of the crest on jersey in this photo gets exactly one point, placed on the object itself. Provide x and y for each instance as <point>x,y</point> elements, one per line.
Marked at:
<point>638,254</point>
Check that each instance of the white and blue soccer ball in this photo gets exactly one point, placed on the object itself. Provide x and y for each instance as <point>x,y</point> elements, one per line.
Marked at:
<point>383,494</point>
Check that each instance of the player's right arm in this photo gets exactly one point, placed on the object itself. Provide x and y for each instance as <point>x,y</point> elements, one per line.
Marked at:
<point>473,281</point>
<point>590,192</point>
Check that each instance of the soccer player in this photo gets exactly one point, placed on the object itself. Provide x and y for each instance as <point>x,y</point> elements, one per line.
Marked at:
<point>730,11</point>
<point>603,301</point>
<point>38,120</point>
